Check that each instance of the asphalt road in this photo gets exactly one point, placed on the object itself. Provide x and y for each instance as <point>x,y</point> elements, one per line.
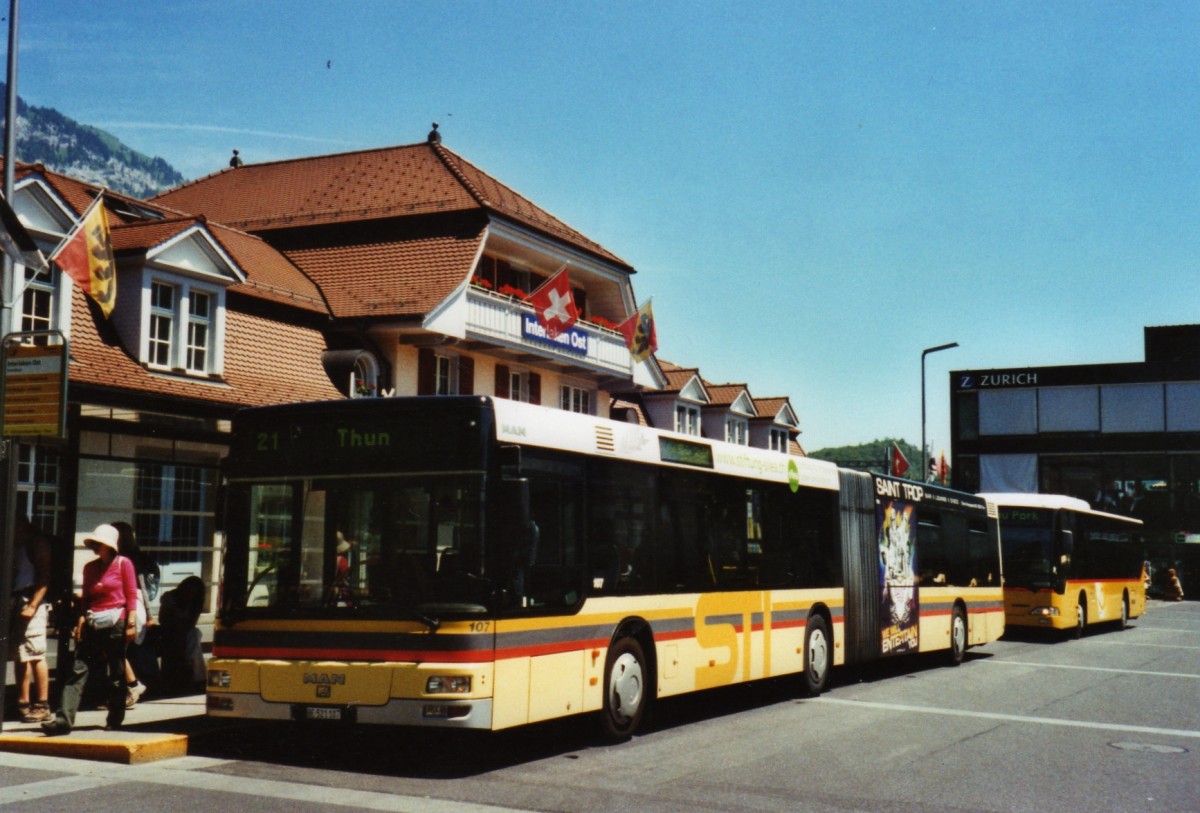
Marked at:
<point>1108,723</point>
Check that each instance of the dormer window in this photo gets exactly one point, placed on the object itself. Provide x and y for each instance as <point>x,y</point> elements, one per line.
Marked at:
<point>181,326</point>
<point>737,430</point>
<point>779,440</point>
<point>687,419</point>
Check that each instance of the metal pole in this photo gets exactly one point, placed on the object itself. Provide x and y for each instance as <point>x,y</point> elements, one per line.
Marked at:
<point>10,159</point>
<point>924,353</point>
<point>8,448</point>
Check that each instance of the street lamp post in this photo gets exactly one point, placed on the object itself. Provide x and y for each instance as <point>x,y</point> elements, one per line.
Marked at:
<point>924,353</point>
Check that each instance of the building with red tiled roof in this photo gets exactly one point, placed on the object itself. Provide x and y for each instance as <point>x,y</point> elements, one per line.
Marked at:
<point>401,270</point>
<point>424,261</point>
<point>207,320</point>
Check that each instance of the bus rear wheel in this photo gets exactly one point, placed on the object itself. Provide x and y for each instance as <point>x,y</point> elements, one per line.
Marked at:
<point>625,697</point>
<point>958,636</point>
<point>818,657</point>
<point>1124,622</point>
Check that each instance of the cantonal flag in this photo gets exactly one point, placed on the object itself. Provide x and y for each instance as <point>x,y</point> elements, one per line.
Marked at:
<point>554,304</point>
<point>899,461</point>
<point>86,255</point>
<point>639,332</point>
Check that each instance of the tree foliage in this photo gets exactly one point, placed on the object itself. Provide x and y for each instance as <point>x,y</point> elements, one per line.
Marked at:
<point>873,456</point>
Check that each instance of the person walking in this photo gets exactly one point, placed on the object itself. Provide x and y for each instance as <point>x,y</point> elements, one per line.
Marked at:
<point>30,613</point>
<point>101,634</point>
<point>147,572</point>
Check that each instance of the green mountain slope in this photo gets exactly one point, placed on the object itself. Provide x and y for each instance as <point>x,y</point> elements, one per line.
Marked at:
<point>90,154</point>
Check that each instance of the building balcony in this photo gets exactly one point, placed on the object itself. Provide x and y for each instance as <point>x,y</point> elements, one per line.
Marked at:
<point>509,322</point>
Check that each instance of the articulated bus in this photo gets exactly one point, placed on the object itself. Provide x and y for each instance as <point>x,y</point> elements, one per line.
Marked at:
<point>1067,566</point>
<point>477,563</point>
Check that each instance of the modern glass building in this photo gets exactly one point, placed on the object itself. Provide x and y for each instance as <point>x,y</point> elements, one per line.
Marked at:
<point>1124,436</point>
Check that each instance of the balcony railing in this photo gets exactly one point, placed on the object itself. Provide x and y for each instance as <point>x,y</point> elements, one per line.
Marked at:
<point>512,322</point>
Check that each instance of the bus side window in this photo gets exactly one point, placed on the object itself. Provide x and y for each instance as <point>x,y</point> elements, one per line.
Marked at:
<point>933,564</point>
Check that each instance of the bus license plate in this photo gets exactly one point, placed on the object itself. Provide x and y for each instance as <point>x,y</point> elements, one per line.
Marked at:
<point>322,713</point>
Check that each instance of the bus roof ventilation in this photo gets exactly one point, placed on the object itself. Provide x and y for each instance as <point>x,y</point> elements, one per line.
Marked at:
<point>604,439</point>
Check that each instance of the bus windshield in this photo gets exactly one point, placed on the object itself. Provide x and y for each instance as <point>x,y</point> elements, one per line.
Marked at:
<point>381,545</point>
<point>1027,541</point>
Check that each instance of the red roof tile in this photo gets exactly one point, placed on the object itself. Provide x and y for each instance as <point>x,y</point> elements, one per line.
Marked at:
<point>390,279</point>
<point>266,362</point>
<point>724,394</point>
<point>389,182</point>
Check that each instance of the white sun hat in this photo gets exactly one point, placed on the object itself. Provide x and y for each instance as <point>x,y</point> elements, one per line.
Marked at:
<point>105,535</point>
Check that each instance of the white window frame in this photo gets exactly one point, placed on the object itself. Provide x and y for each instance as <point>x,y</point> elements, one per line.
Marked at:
<point>183,321</point>
<point>573,398</point>
<point>687,418</point>
<point>39,287</point>
<point>737,430</point>
<point>196,323</point>
<point>364,378</point>
<point>445,374</point>
<point>779,440</point>
<point>158,315</point>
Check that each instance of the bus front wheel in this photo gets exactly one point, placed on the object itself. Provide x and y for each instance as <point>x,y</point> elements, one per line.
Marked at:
<point>1080,618</point>
<point>625,697</point>
<point>1124,621</point>
<point>958,636</point>
<point>818,657</point>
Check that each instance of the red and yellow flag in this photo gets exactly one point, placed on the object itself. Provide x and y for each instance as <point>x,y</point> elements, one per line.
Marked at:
<point>87,256</point>
<point>639,332</point>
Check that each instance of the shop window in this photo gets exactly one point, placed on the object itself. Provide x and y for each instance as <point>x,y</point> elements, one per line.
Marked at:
<point>38,490</point>
<point>171,511</point>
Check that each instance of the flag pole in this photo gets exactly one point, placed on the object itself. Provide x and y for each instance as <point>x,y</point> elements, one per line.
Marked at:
<point>74,230</point>
<point>10,159</point>
<point>8,447</point>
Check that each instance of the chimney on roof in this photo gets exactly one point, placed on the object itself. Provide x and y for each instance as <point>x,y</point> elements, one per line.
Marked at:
<point>434,136</point>
<point>236,160</point>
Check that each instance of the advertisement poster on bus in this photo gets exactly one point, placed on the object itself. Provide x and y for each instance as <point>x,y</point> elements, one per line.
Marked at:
<point>896,522</point>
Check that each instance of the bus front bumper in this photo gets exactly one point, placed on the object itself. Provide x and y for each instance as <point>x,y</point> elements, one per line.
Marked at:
<point>440,713</point>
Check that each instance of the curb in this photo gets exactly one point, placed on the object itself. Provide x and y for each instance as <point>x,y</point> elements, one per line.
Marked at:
<point>99,745</point>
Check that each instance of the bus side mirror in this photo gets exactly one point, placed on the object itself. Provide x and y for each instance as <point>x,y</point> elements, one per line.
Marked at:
<point>1067,542</point>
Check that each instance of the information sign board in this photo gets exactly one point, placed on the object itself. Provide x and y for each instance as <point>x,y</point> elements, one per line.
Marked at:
<point>34,389</point>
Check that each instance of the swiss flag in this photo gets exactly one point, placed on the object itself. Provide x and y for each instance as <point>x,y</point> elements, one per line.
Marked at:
<point>899,462</point>
<point>554,304</point>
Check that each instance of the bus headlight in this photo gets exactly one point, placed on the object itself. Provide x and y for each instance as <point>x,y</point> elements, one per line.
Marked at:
<point>448,684</point>
<point>1044,611</point>
<point>218,679</point>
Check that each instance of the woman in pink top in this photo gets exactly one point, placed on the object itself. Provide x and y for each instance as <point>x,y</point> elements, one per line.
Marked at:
<point>103,631</point>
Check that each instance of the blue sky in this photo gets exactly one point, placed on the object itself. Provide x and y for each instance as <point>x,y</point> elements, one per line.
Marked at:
<point>812,193</point>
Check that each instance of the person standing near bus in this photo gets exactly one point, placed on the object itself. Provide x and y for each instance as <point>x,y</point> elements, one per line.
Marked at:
<point>30,613</point>
<point>1173,590</point>
<point>103,631</point>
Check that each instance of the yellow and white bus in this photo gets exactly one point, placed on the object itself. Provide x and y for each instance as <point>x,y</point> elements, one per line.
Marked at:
<point>478,563</point>
<point>1067,566</point>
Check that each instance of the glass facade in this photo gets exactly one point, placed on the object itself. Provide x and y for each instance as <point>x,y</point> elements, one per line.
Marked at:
<point>1123,437</point>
